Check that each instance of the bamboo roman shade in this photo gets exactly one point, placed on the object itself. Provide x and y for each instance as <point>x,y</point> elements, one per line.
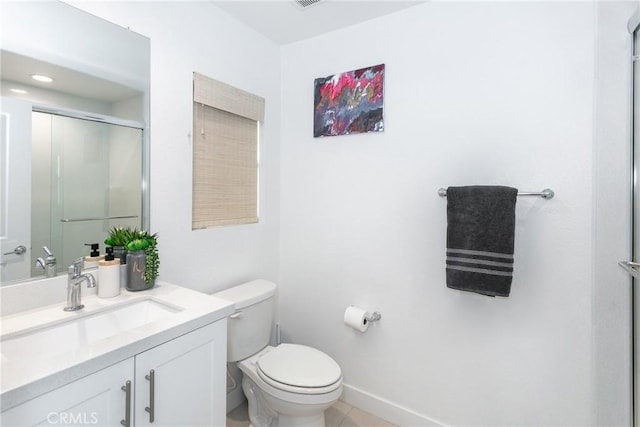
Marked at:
<point>225,153</point>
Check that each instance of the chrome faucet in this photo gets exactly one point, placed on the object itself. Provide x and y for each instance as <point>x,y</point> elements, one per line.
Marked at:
<point>74,285</point>
<point>48,264</point>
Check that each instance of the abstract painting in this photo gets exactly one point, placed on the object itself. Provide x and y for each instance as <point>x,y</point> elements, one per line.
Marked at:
<point>350,102</point>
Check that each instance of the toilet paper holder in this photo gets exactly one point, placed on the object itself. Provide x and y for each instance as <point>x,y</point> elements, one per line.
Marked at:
<point>360,319</point>
<point>374,317</point>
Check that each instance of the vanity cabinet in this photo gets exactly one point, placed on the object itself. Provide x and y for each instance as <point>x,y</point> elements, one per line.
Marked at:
<point>180,382</point>
<point>183,382</point>
<point>96,399</point>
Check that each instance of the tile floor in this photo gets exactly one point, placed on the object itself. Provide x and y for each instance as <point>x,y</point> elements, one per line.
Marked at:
<point>339,415</point>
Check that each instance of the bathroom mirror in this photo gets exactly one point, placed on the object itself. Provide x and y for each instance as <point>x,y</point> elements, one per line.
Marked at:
<point>74,152</point>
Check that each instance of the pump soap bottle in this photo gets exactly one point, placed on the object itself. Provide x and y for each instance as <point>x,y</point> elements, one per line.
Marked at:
<point>92,260</point>
<point>109,275</point>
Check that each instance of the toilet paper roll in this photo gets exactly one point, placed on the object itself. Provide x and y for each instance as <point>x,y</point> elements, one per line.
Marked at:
<point>356,318</point>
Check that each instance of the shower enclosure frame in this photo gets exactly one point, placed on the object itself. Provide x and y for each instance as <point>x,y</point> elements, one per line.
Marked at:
<point>634,29</point>
<point>110,120</point>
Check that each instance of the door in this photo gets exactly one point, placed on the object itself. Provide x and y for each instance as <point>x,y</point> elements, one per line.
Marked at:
<point>183,382</point>
<point>633,266</point>
<point>98,399</point>
<point>636,229</point>
<point>15,189</point>
<point>635,253</point>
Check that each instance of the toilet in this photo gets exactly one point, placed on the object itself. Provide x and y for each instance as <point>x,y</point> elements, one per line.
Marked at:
<point>289,385</point>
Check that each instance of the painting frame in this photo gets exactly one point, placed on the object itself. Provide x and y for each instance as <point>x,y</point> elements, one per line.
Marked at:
<point>350,102</point>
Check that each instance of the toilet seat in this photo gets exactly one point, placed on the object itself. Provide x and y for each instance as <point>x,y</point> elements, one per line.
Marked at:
<point>299,369</point>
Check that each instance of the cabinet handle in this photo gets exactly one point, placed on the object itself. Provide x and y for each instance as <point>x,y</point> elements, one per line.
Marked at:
<point>127,404</point>
<point>151,408</point>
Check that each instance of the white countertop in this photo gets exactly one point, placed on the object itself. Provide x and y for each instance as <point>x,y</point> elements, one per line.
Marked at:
<point>21,380</point>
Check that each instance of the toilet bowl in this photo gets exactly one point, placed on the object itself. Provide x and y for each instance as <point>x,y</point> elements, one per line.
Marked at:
<point>295,396</point>
<point>288,385</point>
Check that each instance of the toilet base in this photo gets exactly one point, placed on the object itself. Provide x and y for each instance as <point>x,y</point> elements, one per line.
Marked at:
<point>271,406</point>
<point>268,411</point>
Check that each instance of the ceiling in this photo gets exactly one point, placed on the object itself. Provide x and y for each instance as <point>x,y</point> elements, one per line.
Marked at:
<point>17,71</point>
<point>284,21</point>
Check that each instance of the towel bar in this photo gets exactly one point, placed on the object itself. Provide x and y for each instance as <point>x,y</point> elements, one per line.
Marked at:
<point>547,193</point>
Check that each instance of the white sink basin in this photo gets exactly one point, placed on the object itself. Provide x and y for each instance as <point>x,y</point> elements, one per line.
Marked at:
<point>65,336</point>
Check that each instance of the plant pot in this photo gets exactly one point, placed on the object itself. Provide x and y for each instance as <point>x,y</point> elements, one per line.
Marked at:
<point>136,268</point>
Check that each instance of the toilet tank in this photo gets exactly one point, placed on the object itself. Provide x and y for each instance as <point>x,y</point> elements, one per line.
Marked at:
<point>249,327</point>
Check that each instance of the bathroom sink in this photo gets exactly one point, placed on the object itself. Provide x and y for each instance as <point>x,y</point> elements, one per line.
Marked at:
<point>60,337</point>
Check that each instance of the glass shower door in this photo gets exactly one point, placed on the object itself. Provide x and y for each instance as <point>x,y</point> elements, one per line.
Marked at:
<point>94,175</point>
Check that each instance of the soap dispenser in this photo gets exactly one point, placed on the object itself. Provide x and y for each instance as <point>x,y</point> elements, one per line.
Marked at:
<point>108,275</point>
<point>94,257</point>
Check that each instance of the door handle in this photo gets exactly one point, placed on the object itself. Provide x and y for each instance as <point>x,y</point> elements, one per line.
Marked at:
<point>631,268</point>
<point>19,250</point>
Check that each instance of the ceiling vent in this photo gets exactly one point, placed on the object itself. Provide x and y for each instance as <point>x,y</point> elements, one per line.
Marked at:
<point>304,4</point>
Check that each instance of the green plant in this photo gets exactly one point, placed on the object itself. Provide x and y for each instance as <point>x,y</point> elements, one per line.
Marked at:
<point>152,261</point>
<point>143,241</point>
<point>138,240</point>
<point>120,236</point>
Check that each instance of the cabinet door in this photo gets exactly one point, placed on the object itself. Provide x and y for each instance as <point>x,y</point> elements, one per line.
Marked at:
<point>189,382</point>
<point>96,399</point>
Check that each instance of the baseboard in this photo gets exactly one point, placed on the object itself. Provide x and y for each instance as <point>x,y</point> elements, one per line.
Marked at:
<point>386,410</point>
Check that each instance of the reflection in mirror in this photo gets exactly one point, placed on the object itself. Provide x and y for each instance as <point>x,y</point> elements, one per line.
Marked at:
<point>85,169</point>
<point>93,172</point>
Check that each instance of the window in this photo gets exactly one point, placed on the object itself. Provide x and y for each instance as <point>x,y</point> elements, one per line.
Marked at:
<point>225,153</point>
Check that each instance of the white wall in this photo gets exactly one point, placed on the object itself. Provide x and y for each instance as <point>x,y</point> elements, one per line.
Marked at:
<point>496,93</point>
<point>475,93</point>
<point>197,36</point>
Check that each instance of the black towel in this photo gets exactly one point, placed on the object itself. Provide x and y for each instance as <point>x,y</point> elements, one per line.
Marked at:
<point>480,234</point>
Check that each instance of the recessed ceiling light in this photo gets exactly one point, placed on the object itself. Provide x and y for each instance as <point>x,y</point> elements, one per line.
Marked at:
<point>19,91</point>
<point>41,78</point>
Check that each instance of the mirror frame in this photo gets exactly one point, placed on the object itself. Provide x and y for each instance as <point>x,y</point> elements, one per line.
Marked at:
<point>57,34</point>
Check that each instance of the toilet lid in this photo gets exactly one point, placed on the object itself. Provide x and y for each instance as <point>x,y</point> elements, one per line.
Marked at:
<point>299,366</point>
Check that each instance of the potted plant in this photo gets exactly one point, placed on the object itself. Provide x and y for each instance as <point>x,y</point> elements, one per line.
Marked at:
<point>143,260</point>
<point>118,238</point>
<point>139,249</point>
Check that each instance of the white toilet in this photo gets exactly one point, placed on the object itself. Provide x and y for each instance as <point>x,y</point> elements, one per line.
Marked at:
<point>287,386</point>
